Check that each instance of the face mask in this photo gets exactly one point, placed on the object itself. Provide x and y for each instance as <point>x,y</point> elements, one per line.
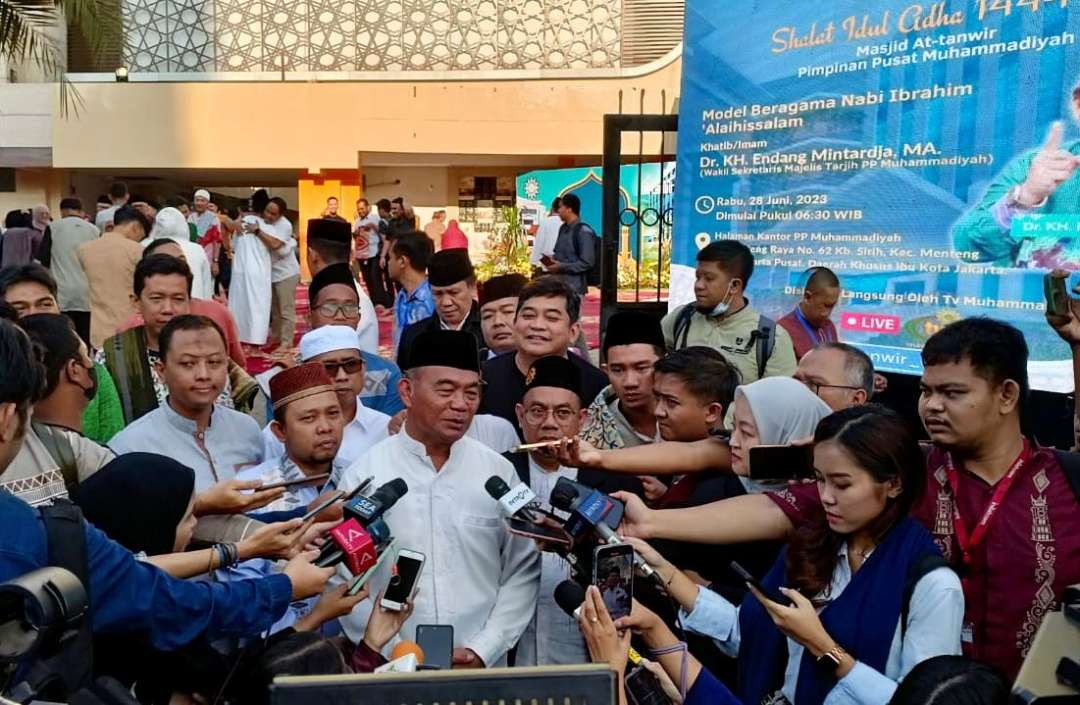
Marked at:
<point>91,391</point>
<point>721,308</point>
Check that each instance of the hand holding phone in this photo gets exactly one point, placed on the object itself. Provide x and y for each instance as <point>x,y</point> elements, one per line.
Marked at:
<point>403,581</point>
<point>295,483</point>
<point>314,512</point>
<point>773,595</point>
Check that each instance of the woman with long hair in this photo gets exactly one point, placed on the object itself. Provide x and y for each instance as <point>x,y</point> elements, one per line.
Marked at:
<point>869,595</point>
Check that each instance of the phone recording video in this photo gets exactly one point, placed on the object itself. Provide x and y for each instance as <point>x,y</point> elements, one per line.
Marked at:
<point>782,462</point>
<point>403,582</point>
<point>613,575</point>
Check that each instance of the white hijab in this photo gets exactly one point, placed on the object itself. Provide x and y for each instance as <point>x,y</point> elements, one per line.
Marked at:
<point>783,408</point>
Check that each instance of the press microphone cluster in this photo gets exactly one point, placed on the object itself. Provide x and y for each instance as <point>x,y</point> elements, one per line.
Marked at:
<point>363,534</point>
<point>641,686</point>
<point>592,511</point>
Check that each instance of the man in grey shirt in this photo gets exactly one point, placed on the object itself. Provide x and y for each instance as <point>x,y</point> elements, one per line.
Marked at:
<point>73,291</point>
<point>575,248</point>
<point>190,427</point>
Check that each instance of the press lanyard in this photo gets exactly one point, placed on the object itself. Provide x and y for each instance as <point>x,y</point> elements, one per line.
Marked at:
<point>969,541</point>
<point>818,336</point>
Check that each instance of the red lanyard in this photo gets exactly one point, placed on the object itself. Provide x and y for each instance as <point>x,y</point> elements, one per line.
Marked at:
<point>969,542</point>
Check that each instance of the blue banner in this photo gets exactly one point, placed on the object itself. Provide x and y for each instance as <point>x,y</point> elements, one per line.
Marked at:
<point>908,146</point>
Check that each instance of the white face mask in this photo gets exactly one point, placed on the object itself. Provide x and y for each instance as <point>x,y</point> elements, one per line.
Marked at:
<point>721,308</point>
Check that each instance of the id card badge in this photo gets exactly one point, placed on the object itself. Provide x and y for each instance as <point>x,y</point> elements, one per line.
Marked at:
<point>967,633</point>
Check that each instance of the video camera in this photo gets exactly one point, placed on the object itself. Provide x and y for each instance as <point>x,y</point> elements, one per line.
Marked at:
<point>1051,672</point>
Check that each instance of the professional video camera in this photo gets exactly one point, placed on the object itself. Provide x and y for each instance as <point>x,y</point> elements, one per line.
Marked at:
<point>1051,672</point>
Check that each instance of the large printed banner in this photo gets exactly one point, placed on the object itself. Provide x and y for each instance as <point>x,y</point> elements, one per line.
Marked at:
<point>908,146</point>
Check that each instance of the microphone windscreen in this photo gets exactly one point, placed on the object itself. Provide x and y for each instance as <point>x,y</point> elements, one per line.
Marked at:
<point>392,491</point>
<point>562,497</point>
<point>496,487</point>
<point>404,648</point>
<point>569,596</point>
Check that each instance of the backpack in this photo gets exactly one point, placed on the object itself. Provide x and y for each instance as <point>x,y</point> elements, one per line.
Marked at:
<point>763,338</point>
<point>61,451</point>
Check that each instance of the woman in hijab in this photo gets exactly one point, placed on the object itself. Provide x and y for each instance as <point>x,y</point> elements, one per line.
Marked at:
<point>771,411</point>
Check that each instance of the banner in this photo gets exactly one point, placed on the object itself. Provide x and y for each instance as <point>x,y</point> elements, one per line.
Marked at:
<point>907,146</point>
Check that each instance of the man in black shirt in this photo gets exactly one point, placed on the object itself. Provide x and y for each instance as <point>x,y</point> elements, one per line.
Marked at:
<point>547,323</point>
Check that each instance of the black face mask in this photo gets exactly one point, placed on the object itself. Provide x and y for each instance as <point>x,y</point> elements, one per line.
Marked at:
<point>91,391</point>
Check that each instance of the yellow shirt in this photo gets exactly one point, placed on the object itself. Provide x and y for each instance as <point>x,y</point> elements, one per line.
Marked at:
<point>731,335</point>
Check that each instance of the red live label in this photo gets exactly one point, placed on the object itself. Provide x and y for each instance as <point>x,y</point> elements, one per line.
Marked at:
<point>871,323</point>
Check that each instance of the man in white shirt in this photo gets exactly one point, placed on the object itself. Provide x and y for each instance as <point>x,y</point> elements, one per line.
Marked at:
<point>477,577</point>
<point>337,349</point>
<point>366,247</point>
<point>284,272</point>
<point>546,235</point>
<point>73,292</point>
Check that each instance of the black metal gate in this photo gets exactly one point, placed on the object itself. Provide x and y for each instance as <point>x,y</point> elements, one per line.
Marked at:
<point>645,223</point>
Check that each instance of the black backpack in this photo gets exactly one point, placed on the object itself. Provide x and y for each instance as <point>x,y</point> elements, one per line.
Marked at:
<point>763,339</point>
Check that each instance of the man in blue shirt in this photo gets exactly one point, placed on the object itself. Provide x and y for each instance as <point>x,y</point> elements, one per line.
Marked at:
<point>126,594</point>
<point>408,263</point>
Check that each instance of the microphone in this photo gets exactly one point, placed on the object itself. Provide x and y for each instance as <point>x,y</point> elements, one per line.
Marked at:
<point>517,502</point>
<point>364,513</point>
<point>356,545</point>
<point>587,513</point>
<point>406,657</point>
<point>641,685</point>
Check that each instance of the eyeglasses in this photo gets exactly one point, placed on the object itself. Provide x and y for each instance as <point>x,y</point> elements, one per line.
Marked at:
<point>539,414</point>
<point>351,367</point>
<point>816,387</point>
<point>332,310</point>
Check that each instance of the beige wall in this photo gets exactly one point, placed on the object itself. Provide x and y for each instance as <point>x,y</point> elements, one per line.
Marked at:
<point>296,125</point>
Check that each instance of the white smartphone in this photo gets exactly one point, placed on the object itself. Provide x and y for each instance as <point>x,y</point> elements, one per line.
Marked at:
<point>403,581</point>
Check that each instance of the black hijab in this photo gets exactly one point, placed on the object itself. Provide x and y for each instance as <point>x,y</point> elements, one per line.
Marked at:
<point>138,500</point>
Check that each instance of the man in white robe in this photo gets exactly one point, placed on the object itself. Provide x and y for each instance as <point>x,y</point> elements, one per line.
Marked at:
<point>171,223</point>
<point>249,292</point>
<point>477,577</point>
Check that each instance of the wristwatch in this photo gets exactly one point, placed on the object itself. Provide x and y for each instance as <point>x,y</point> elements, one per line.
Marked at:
<point>830,661</point>
<point>1012,199</point>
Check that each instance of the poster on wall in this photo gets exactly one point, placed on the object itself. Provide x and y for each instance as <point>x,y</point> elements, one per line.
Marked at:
<point>922,150</point>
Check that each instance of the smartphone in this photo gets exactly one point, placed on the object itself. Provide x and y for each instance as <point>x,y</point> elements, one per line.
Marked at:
<point>437,643</point>
<point>520,527</point>
<point>335,497</point>
<point>613,574</point>
<point>360,581</point>
<point>1057,296</point>
<point>403,582</point>
<point>774,595</point>
<point>294,483</point>
<point>781,462</point>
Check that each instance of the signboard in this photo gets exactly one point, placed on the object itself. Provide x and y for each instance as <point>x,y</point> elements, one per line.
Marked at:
<point>883,139</point>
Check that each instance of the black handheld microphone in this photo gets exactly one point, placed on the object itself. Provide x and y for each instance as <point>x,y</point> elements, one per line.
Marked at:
<point>518,502</point>
<point>590,512</point>
<point>364,512</point>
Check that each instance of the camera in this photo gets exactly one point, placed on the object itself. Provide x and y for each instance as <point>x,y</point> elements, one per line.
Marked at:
<point>1051,672</point>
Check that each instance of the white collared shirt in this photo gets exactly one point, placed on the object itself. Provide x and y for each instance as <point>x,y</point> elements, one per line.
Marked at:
<point>493,431</point>
<point>366,429</point>
<point>477,576</point>
<point>552,637</point>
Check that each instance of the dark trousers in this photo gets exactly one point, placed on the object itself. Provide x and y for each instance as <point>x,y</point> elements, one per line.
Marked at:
<point>81,321</point>
<point>372,274</point>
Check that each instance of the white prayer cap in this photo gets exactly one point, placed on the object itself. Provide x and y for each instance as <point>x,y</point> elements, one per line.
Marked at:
<point>202,193</point>
<point>328,339</point>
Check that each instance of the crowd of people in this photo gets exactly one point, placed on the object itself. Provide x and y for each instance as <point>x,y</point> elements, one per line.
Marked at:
<point>878,569</point>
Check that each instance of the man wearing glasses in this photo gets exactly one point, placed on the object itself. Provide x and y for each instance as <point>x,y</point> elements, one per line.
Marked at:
<point>840,374</point>
<point>337,349</point>
<point>334,301</point>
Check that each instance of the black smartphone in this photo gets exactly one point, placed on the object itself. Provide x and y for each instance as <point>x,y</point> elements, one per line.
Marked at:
<point>782,462</point>
<point>335,497</point>
<point>774,595</point>
<point>437,643</point>
<point>293,483</point>
<point>537,531</point>
<point>360,488</point>
<point>613,575</point>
